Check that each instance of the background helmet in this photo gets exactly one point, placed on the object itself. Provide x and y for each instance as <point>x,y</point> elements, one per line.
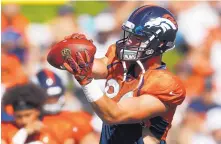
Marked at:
<point>52,84</point>
<point>149,31</point>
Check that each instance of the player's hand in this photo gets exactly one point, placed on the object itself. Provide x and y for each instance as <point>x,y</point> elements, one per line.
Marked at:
<point>33,127</point>
<point>76,36</point>
<point>82,70</point>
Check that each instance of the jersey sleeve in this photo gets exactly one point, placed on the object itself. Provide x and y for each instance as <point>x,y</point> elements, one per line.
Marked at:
<point>111,53</point>
<point>166,88</point>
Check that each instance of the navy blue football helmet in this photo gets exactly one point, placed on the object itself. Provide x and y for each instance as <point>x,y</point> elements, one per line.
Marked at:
<point>149,31</point>
<point>55,89</point>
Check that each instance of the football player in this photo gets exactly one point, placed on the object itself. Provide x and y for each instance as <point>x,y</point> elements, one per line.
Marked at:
<point>79,122</point>
<point>27,127</point>
<point>141,95</point>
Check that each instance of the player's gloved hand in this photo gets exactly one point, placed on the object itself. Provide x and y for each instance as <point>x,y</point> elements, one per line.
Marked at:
<point>82,70</point>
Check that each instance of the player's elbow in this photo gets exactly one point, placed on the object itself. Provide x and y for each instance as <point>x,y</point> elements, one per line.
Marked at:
<point>110,121</point>
<point>113,118</point>
<point>117,118</point>
<point>120,120</point>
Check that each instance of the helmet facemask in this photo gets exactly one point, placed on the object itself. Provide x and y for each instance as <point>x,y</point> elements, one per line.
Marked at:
<point>133,47</point>
<point>136,47</point>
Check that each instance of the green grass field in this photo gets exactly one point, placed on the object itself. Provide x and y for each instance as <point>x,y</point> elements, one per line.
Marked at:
<point>43,13</point>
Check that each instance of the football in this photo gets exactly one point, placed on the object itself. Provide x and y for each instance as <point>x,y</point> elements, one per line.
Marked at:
<point>69,47</point>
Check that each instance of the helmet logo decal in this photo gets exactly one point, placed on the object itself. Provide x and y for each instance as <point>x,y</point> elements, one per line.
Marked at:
<point>164,23</point>
<point>112,88</point>
<point>148,52</point>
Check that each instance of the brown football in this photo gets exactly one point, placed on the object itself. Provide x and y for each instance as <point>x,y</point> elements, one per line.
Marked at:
<point>69,47</point>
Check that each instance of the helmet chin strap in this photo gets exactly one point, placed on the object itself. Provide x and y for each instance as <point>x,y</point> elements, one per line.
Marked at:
<point>141,76</point>
<point>139,62</point>
<point>125,70</point>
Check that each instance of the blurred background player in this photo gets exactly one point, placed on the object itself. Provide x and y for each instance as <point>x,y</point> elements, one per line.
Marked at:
<point>16,74</point>
<point>26,101</point>
<point>12,70</point>
<point>58,105</point>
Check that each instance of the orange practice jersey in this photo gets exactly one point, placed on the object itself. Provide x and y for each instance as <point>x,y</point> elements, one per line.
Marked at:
<point>80,123</point>
<point>12,71</point>
<point>45,136</point>
<point>157,82</point>
<point>62,127</point>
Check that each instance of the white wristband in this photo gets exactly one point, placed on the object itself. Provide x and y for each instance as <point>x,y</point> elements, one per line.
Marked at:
<point>20,137</point>
<point>92,91</point>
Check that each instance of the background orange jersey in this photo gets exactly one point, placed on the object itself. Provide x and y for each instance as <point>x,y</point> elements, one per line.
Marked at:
<point>61,126</point>
<point>80,123</point>
<point>156,82</point>
<point>46,136</point>
<point>12,71</point>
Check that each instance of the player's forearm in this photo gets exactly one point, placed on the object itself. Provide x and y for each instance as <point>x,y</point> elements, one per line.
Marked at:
<point>110,111</point>
<point>99,69</point>
<point>130,110</point>
<point>107,109</point>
